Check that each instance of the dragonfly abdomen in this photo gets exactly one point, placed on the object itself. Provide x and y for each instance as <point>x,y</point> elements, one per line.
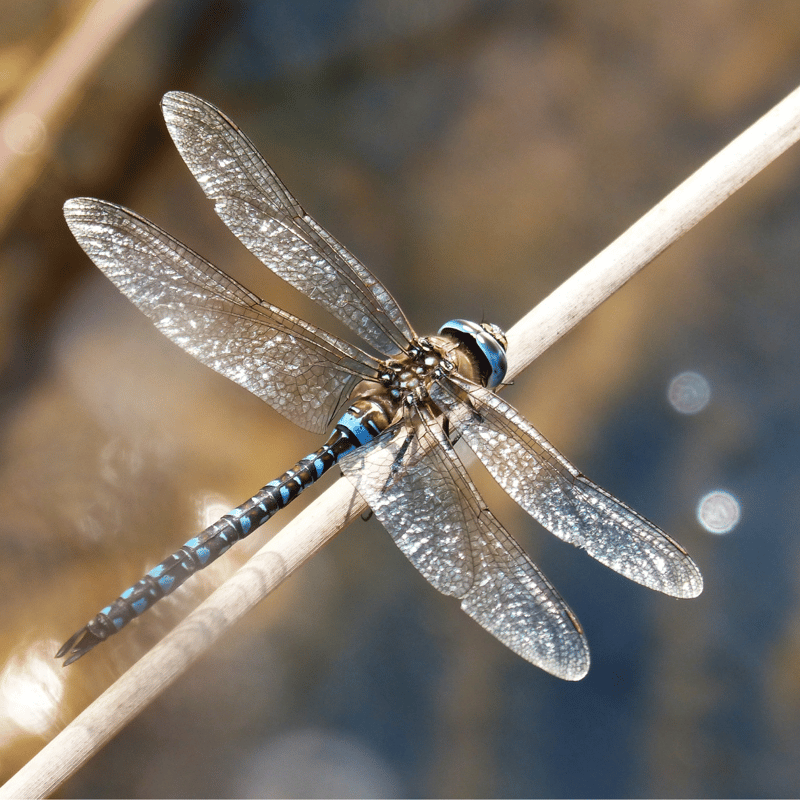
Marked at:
<point>364,420</point>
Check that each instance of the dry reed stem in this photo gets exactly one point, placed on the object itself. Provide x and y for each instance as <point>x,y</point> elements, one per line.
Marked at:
<point>308,532</point>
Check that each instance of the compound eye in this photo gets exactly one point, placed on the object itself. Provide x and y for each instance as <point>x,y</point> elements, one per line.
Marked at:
<point>486,342</point>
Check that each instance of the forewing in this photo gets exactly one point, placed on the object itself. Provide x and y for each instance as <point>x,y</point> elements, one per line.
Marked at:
<point>418,489</point>
<point>555,494</point>
<point>302,372</point>
<point>253,202</point>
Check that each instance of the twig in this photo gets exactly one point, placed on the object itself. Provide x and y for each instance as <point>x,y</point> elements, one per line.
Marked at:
<point>664,224</point>
<point>309,531</point>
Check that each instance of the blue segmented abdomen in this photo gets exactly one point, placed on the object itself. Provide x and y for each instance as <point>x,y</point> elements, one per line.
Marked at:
<point>358,425</point>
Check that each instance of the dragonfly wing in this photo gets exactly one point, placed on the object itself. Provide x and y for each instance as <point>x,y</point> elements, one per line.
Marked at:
<point>302,372</point>
<point>253,202</point>
<point>416,502</point>
<point>559,497</point>
<point>515,602</point>
<point>418,489</point>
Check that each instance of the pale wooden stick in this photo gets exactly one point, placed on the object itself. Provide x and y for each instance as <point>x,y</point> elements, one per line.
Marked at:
<point>309,531</point>
<point>664,224</point>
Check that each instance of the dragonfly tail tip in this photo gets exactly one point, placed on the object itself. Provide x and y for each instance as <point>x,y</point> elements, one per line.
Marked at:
<point>78,645</point>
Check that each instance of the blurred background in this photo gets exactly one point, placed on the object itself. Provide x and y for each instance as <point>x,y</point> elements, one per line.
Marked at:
<point>474,155</point>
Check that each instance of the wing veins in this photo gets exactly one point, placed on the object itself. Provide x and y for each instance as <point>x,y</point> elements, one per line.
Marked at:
<point>184,295</point>
<point>258,184</point>
<point>561,498</point>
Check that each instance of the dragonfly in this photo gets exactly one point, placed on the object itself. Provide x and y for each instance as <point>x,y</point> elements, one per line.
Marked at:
<point>400,413</point>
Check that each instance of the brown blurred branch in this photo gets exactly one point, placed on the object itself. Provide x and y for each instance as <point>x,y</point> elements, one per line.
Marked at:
<point>31,121</point>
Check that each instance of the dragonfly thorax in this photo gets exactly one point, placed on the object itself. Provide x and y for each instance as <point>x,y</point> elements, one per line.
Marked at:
<point>407,377</point>
<point>477,352</point>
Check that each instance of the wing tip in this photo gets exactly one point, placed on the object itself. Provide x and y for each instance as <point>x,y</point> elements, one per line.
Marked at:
<point>686,585</point>
<point>575,669</point>
<point>177,107</point>
<point>693,585</point>
<point>175,98</point>
<point>76,206</point>
<point>569,663</point>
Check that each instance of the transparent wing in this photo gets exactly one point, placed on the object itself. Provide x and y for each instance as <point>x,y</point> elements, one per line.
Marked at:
<point>253,202</point>
<point>556,495</point>
<point>301,371</point>
<point>417,503</point>
<point>418,489</point>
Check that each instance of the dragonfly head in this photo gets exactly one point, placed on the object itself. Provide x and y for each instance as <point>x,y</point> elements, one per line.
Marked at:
<point>486,342</point>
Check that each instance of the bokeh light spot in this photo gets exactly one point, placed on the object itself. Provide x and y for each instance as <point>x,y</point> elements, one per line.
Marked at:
<point>689,392</point>
<point>24,133</point>
<point>31,689</point>
<point>719,511</point>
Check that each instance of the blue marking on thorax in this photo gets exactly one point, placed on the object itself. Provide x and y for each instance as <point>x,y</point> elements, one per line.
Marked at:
<point>192,543</point>
<point>106,610</point>
<point>319,467</point>
<point>127,593</point>
<point>203,554</point>
<point>244,524</point>
<point>285,495</point>
<point>156,571</point>
<point>119,622</point>
<point>166,582</point>
<point>355,425</point>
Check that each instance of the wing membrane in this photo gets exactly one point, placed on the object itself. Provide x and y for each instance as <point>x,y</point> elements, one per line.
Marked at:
<point>560,498</point>
<point>418,489</point>
<point>301,371</point>
<point>417,503</point>
<point>253,202</point>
